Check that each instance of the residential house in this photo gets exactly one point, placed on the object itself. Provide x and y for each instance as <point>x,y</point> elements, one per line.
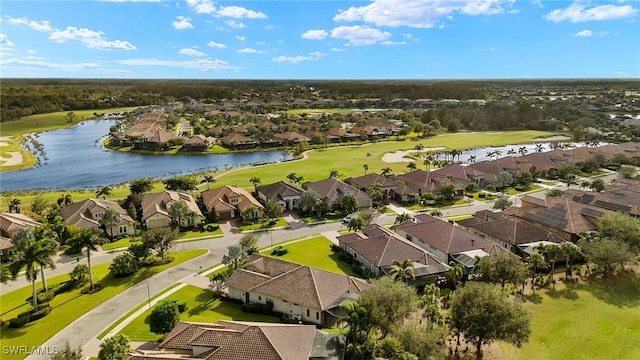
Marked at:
<point>240,340</point>
<point>290,137</point>
<point>298,291</point>
<point>230,202</point>
<point>447,241</point>
<point>155,140</point>
<point>380,126</point>
<point>88,213</point>
<point>155,209</point>
<point>238,141</point>
<point>284,193</point>
<point>10,223</point>
<point>507,231</point>
<point>419,181</point>
<point>376,249</point>
<point>387,184</point>
<point>622,196</point>
<point>333,190</point>
<point>199,143</point>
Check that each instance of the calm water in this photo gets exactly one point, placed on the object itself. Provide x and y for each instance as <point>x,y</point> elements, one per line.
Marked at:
<point>75,159</point>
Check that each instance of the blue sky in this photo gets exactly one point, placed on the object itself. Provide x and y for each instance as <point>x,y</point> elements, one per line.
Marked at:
<point>379,39</point>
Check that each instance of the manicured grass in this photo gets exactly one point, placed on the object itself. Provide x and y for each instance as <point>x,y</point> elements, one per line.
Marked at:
<point>122,243</point>
<point>260,225</point>
<point>513,191</point>
<point>197,233</point>
<point>67,307</point>
<point>330,111</point>
<point>201,307</point>
<point>597,319</point>
<point>459,218</point>
<point>315,252</point>
<point>418,207</point>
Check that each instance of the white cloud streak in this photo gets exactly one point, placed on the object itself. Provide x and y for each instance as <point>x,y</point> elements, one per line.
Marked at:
<point>578,12</point>
<point>252,51</point>
<point>360,35</point>
<point>216,45</point>
<point>202,6</point>
<point>235,24</point>
<point>315,35</point>
<point>5,42</point>
<point>89,38</point>
<point>43,25</point>
<point>202,64</point>
<point>192,52</point>
<point>314,56</point>
<point>182,23</point>
<point>238,12</point>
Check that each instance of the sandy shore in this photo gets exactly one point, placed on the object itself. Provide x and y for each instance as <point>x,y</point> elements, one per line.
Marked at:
<point>9,158</point>
<point>399,156</point>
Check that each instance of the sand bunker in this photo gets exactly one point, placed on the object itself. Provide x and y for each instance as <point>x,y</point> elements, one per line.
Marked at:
<point>9,158</point>
<point>553,138</point>
<point>399,156</point>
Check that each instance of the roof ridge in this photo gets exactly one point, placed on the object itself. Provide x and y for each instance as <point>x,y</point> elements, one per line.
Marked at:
<point>268,340</point>
<point>386,245</point>
<point>315,286</point>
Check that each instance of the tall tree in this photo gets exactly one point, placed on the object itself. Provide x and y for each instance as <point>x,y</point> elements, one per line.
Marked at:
<point>160,239</point>
<point>104,192</point>
<point>412,166</point>
<point>366,168</point>
<point>349,203</point>
<point>482,313</point>
<point>14,205</point>
<point>293,177</point>
<point>307,201</point>
<point>255,181</point>
<point>388,303</point>
<point>141,186</point>
<point>208,178</point>
<point>114,348</point>
<point>375,192</point>
<point>402,218</point>
<point>334,173</point>
<point>109,219</point>
<point>534,260</point>
<point>178,212</point>
<point>234,255</point>
<point>402,270</point>
<point>88,239</point>
<point>272,209</point>
<point>622,227</point>
<point>386,171</point>
<point>501,268</point>
<point>32,254</point>
<point>570,252</point>
<point>456,272</point>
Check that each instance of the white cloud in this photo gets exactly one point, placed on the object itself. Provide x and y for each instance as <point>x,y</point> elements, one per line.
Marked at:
<point>43,25</point>
<point>314,56</point>
<point>122,1</point>
<point>251,51</point>
<point>31,51</point>
<point>216,45</point>
<point>578,12</point>
<point>192,52</point>
<point>235,24</point>
<point>583,33</point>
<point>391,43</point>
<point>91,39</point>
<point>238,12</point>
<point>360,35</point>
<point>315,35</point>
<point>182,23</point>
<point>55,66</point>
<point>5,42</point>
<point>241,38</point>
<point>202,6</point>
<point>419,13</point>
<point>337,49</point>
<point>201,64</point>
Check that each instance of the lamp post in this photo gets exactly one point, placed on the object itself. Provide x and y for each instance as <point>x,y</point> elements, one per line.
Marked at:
<point>148,295</point>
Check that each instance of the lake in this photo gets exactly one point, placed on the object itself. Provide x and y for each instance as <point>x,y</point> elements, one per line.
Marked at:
<point>75,159</point>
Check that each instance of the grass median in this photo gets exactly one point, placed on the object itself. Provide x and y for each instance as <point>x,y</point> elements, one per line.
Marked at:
<point>69,306</point>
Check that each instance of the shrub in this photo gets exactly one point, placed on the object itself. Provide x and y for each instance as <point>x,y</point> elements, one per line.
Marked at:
<point>253,308</point>
<point>279,251</point>
<point>123,265</point>
<point>139,251</point>
<point>181,304</point>
<point>41,306</point>
<point>18,322</point>
<point>164,317</point>
<point>482,195</point>
<point>268,308</point>
<point>46,296</point>
<point>40,314</point>
<point>212,227</point>
<point>80,274</point>
<point>63,287</point>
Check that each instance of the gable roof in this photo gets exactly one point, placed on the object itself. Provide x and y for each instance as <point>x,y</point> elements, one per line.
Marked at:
<point>219,199</point>
<point>381,247</point>
<point>299,284</point>
<point>334,189</point>
<point>446,237</point>
<point>159,203</point>
<point>509,229</point>
<point>12,222</point>
<point>79,213</point>
<point>364,182</point>
<point>279,190</point>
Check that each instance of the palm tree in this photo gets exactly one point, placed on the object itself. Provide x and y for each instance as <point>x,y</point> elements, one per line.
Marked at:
<point>402,218</point>
<point>32,254</point>
<point>109,219</point>
<point>208,178</point>
<point>412,165</point>
<point>539,147</point>
<point>534,260</point>
<point>428,160</point>
<point>68,200</point>
<point>456,271</point>
<point>402,270</point>
<point>14,205</point>
<point>511,152</point>
<point>255,181</point>
<point>40,234</point>
<point>472,159</point>
<point>334,173</point>
<point>375,192</point>
<point>522,150</point>
<point>365,167</point>
<point>299,179</point>
<point>104,192</point>
<point>88,239</point>
<point>386,171</point>
<point>356,317</point>
<point>178,210</point>
<point>292,177</point>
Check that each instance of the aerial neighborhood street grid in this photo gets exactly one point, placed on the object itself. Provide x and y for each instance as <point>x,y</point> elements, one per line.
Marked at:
<point>326,180</point>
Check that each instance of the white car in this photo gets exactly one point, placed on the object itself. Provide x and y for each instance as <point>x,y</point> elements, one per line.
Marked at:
<point>348,218</point>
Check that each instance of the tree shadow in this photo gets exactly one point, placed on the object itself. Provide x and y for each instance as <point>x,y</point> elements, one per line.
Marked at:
<point>622,290</point>
<point>204,299</point>
<point>533,298</point>
<point>567,293</point>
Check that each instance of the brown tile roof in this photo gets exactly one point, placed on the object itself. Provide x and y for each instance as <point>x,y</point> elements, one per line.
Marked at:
<point>291,136</point>
<point>279,190</point>
<point>234,340</point>
<point>158,136</point>
<point>302,285</point>
<point>337,132</point>
<point>446,237</point>
<point>6,243</point>
<point>333,189</point>
<point>381,247</point>
<point>199,139</point>
<point>615,198</point>
<point>79,213</point>
<point>364,182</point>
<point>235,138</point>
<point>561,213</point>
<point>509,229</point>
<point>219,199</point>
<point>12,222</point>
<point>161,202</point>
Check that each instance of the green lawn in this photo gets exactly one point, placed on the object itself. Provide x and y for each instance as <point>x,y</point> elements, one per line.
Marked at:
<point>598,319</point>
<point>122,243</point>
<point>315,252</point>
<point>201,307</point>
<point>69,306</point>
<point>260,225</point>
<point>185,235</point>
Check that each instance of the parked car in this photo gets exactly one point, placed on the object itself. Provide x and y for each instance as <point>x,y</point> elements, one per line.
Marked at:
<point>348,218</point>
